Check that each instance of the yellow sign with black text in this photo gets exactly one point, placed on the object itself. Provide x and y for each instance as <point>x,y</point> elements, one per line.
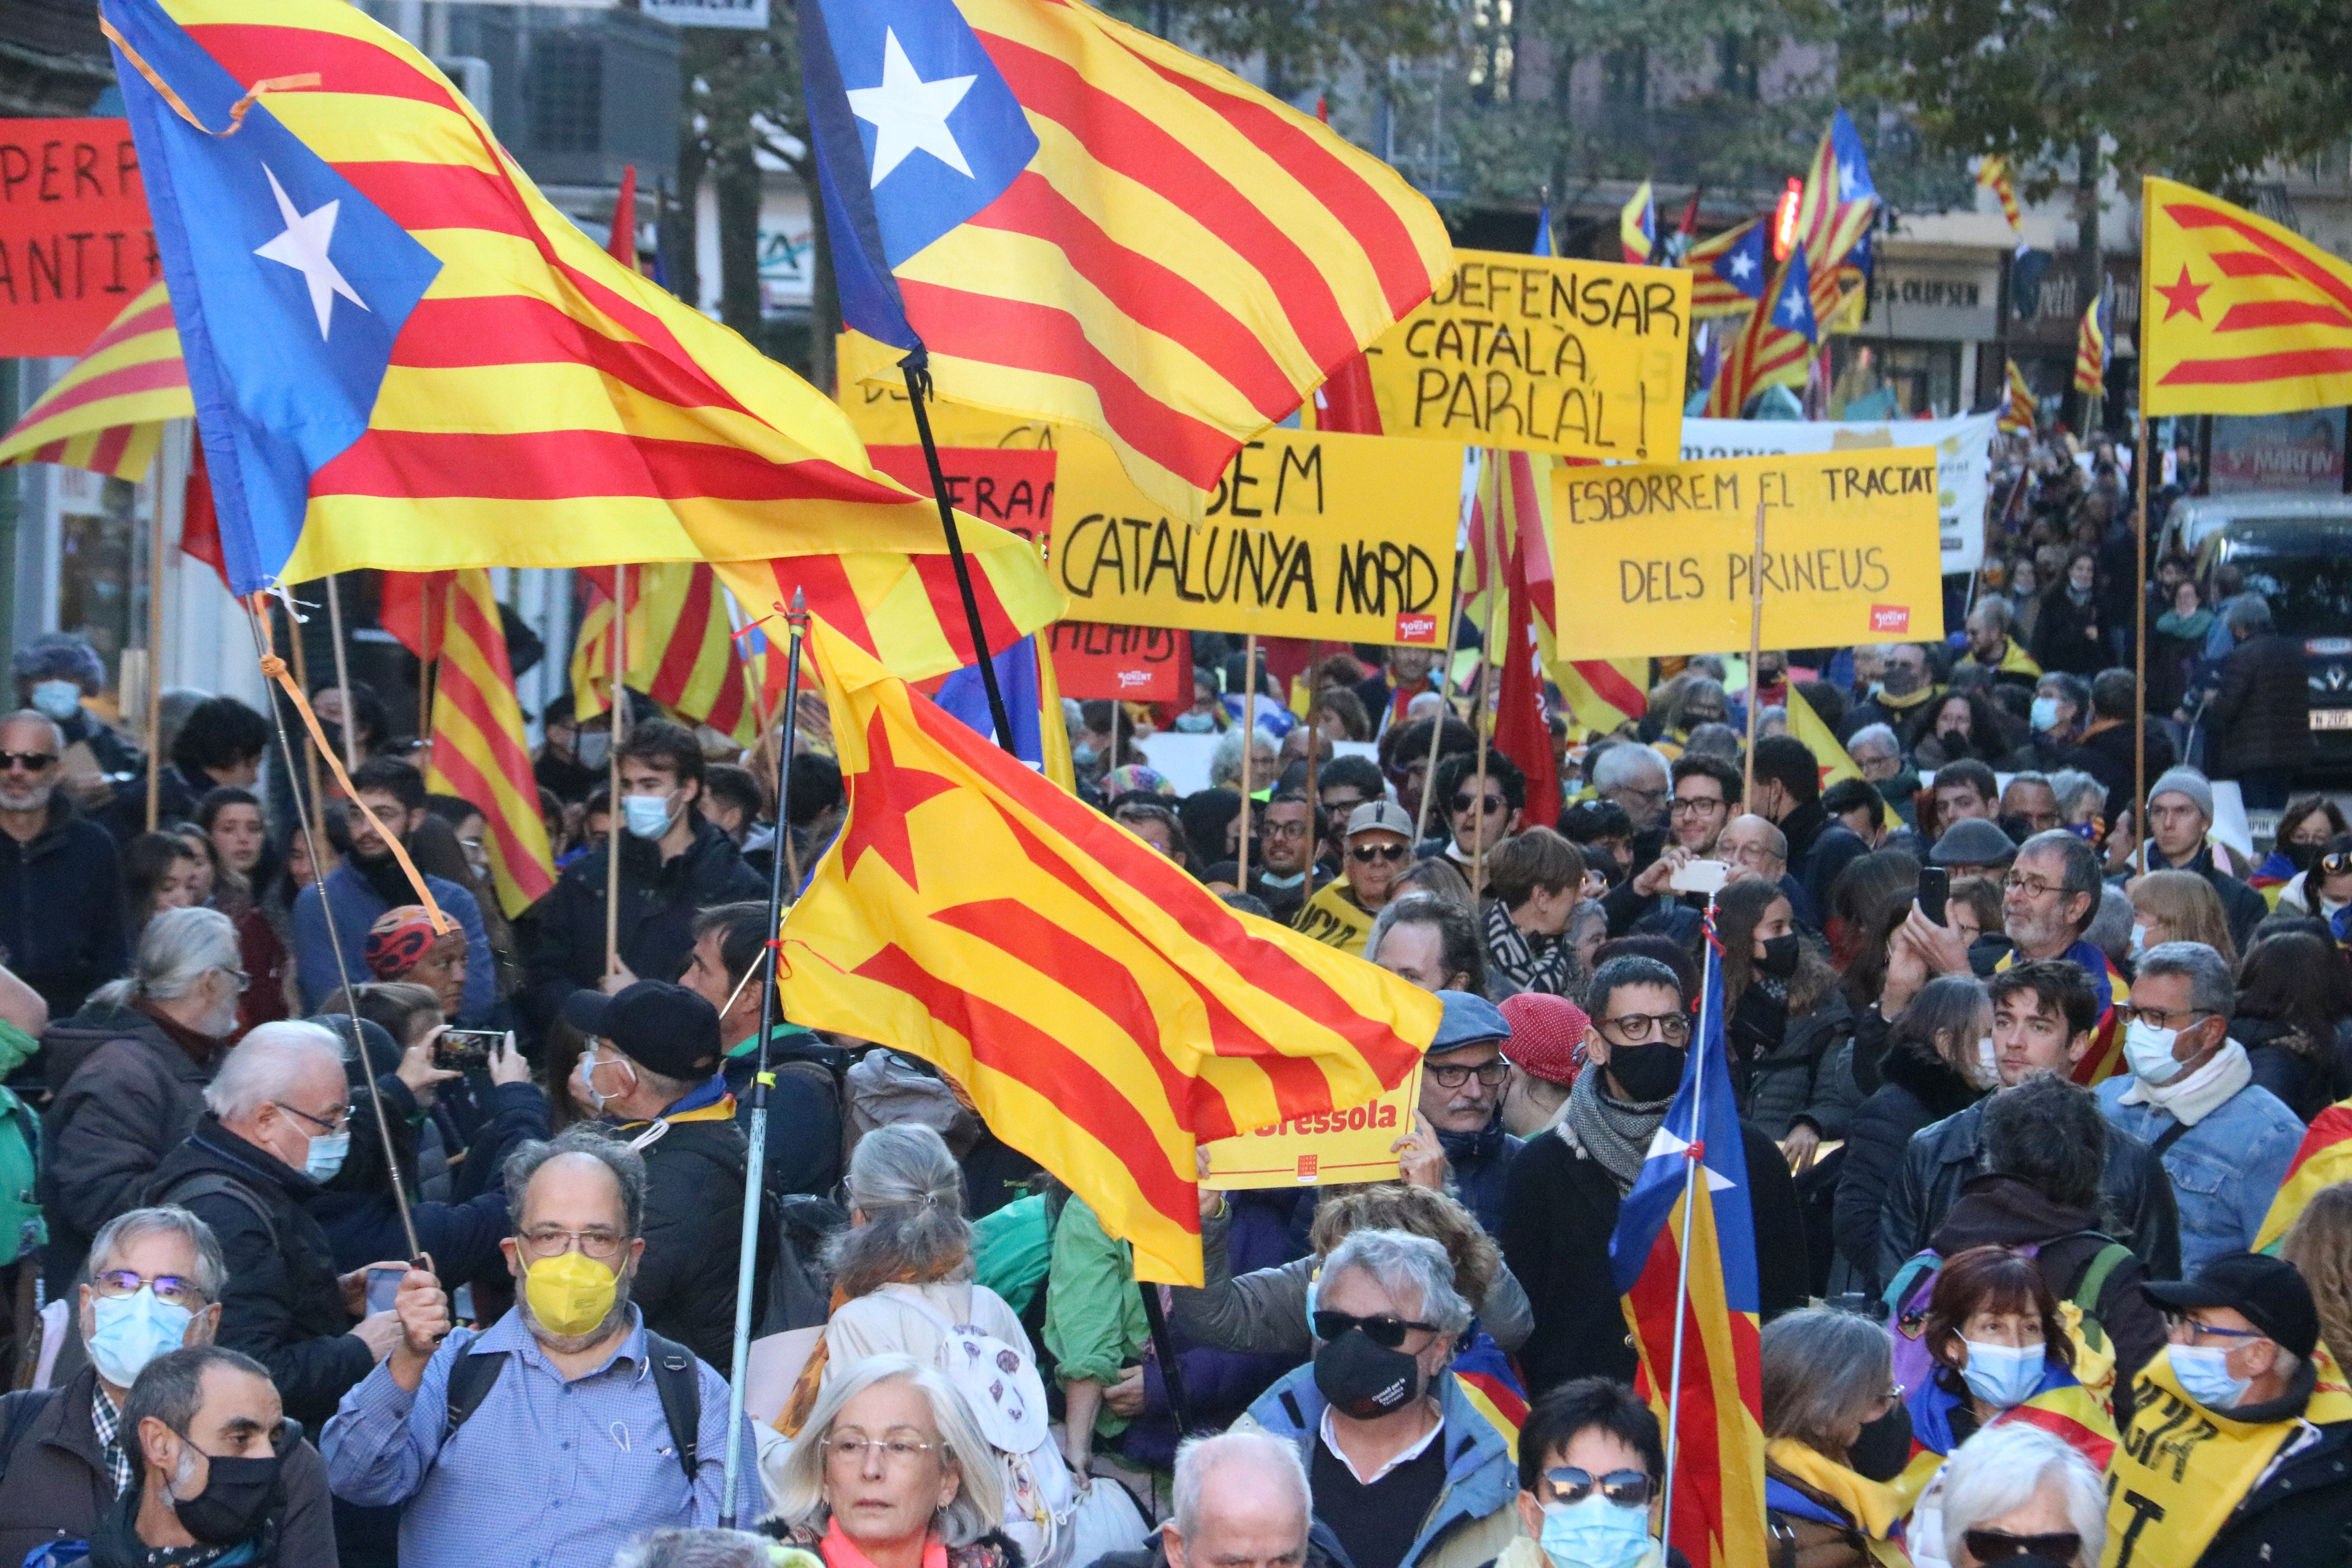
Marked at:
<point>1659,559</point>
<point>1318,1150</point>
<point>1541,353</point>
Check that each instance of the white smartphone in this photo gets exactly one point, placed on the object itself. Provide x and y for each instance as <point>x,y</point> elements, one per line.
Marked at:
<point>1700,877</point>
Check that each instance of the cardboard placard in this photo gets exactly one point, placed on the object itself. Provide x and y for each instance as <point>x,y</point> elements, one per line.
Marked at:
<point>1542,354</point>
<point>76,242</point>
<point>1321,1151</point>
<point>1011,489</point>
<point>1127,664</point>
<point>1658,559</point>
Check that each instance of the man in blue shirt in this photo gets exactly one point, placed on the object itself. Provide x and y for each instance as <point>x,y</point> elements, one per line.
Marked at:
<point>566,1450</point>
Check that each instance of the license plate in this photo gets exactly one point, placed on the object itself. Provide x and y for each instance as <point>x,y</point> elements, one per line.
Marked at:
<point>2331,718</point>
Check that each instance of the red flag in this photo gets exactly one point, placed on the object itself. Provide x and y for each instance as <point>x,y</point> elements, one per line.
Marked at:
<point>414,609</point>
<point>622,243</point>
<point>199,523</point>
<point>1345,402</point>
<point>1521,732</point>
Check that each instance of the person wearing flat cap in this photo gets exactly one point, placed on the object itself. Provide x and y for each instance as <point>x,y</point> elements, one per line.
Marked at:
<point>652,1069</point>
<point>2240,1448</point>
<point>1973,846</point>
<point>1458,1144</point>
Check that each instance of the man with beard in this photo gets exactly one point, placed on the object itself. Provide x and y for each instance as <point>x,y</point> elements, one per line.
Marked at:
<point>566,1428</point>
<point>369,883</point>
<point>60,886</point>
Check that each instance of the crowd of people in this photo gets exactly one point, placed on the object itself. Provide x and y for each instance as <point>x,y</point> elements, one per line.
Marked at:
<point>347,1233</point>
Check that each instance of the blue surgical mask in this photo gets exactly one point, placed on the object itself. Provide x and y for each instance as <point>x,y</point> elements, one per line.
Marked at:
<point>2204,1374</point>
<point>2045,714</point>
<point>326,1155</point>
<point>1081,755</point>
<point>2003,1376</point>
<point>129,1331</point>
<point>2138,942</point>
<point>595,748</point>
<point>1596,1534</point>
<point>58,699</point>
<point>647,816</point>
<point>2148,1050</point>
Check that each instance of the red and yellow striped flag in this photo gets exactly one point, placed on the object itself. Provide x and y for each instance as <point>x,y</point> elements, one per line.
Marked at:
<point>106,412</point>
<point>1104,1011</point>
<point>2237,315</point>
<point>480,752</point>
<point>1834,212</point>
<point>1713,293</point>
<point>2322,1160</point>
<point>681,649</point>
<point>2018,416</point>
<point>1993,174</point>
<point>2091,348</point>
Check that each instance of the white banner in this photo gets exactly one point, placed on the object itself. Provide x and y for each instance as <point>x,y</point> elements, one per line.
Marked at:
<point>708,13</point>
<point>1963,461</point>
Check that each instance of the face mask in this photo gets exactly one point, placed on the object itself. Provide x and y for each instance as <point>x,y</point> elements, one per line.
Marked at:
<point>2204,1374</point>
<point>1595,1534</point>
<point>2003,1376</point>
<point>647,816</point>
<point>236,1497</point>
<point>2045,714</point>
<point>595,748</point>
<point>2148,1050</point>
<point>1194,723</point>
<point>1083,755</point>
<point>1780,955</point>
<point>129,1331</point>
<point>2138,942</point>
<point>1901,681</point>
<point>1884,1446</point>
<point>570,1293</point>
<point>326,1155</point>
<point>58,699</point>
<point>1984,1072</point>
<point>588,1066</point>
<point>1647,1073</point>
<point>1363,1380</point>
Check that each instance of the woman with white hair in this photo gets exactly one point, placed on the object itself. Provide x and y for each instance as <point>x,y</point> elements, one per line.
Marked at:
<point>2014,1491</point>
<point>892,1466</point>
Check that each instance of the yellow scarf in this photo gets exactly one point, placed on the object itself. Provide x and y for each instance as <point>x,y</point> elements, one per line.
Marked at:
<point>2183,1470</point>
<point>1874,1507</point>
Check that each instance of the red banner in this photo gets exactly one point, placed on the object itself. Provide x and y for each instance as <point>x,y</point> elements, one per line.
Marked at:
<point>76,242</point>
<point>1008,486</point>
<point>1137,664</point>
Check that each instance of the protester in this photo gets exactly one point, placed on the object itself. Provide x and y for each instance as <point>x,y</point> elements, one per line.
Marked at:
<point>2068,634</point>
<point>1537,881</point>
<point>403,948</point>
<point>1477,817</point>
<point>1905,692</point>
<point>2258,720</point>
<point>60,888</point>
<point>2017,1491</point>
<point>1546,1050</point>
<point>1240,1498</point>
<point>2319,1245</point>
<point>1993,645</point>
<point>2179,818</point>
<point>1635,778</point>
<point>214,1472</point>
<point>1592,1479</point>
<point>1379,841</point>
<point>2294,1019</point>
<point>1430,940</point>
<point>240,841</point>
<point>2055,719</point>
<point>218,745</point>
<point>1832,1437</point>
<point>1388,691</point>
<point>804,1101</point>
<point>1934,1061</point>
<point>1705,790</point>
<point>554,1434</point>
<point>2179,906</point>
<point>1788,1027</point>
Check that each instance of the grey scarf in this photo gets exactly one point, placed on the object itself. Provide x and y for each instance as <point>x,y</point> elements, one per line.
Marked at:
<point>1616,1133</point>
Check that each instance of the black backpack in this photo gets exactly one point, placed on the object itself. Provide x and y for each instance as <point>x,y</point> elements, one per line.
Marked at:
<point>675,1380</point>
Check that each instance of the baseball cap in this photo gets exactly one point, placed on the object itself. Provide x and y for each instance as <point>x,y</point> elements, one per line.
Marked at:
<point>1546,1036</point>
<point>662,1027</point>
<point>1380,816</point>
<point>1468,1020</point>
<point>2267,1292</point>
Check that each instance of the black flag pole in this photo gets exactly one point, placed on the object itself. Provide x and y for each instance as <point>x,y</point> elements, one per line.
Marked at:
<point>918,368</point>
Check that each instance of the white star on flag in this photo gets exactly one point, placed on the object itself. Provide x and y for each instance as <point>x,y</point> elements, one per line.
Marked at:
<point>1793,304</point>
<point>303,246</point>
<point>1665,1145</point>
<point>909,114</point>
<point>1847,182</point>
<point>1741,265</point>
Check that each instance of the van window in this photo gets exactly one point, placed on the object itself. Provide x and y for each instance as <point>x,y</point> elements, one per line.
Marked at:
<point>2310,595</point>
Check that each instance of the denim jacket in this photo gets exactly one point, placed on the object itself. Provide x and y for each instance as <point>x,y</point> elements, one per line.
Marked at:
<point>2225,1169</point>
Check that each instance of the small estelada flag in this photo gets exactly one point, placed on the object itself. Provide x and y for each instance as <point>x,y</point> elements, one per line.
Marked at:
<point>2241,316</point>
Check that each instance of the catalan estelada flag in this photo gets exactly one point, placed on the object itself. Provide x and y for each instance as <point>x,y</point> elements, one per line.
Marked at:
<point>1637,226</point>
<point>1698,1163</point>
<point>1082,223</point>
<point>1993,174</point>
<point>1728,270</point>
<point>1837,764</point>
<point>2018,415</point>
<point>1103,1011</point>
<point>2323,1159</point>
<point>2090,346</point>
<point>106,412</point>
<point>2237,315</point>
<point>402,356</point>
<point>679,645</point>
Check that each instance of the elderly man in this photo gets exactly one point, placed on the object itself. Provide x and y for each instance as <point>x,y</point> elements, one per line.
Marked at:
<point>1380,843</point>
<point>1973,846</point>
<point>155,1286</point>
<point>2061,701</point>
<point>1241,1499</point>
<point>2179,816</point>
<point>1635,778</point>
<point>212,1461</point>
<point>60,885</point>
<point>566,1427</point>
<point>1877,751</point>
<point>277,1124</point>
<point>2261,714</point>
<point>2015,1489</point>
<point>1992,646</point>
<point>2048,901</point>
<point>1705,790</point>
<point>2237,1454</point>
<point>1405,1470</point>
<point>1458,1143</point>
<point>2226,1141</point>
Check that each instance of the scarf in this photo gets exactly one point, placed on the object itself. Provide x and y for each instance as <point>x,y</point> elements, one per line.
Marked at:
<point>1615,1131</point>
<point>115,1543</point>
<point>2173,624</point>
<point>1544,963</point>
<point>2192,1099</point>
<point>1874,1508</point>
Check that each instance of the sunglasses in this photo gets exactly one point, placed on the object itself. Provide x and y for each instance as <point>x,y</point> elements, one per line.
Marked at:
<point>2335,865</point>
<point>31,761</point>
<point>1568,1485</point>
<point>1387,1331</point>
<point>1994,1545</point>
<point>1366,854</point>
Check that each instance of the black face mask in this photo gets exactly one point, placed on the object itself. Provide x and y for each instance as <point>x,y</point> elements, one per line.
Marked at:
<point>1363,1380</point>
<point>2303,857</point>
<point>1884,1446</point>
<point>235,1502</point>
<point>1646,1073</point>
<point>1780,955</point>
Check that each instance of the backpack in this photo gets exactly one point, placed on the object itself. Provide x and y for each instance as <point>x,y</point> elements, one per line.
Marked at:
<point>676,1381</point>
<point>2095,1359</point>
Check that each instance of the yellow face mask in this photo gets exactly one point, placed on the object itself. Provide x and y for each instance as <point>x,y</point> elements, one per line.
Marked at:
<point>571,1292</point>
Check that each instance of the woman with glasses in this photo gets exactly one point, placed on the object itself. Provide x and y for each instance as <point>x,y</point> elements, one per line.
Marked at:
<point>1834,1441</point>
<point>1592,1466</point>
<point>2325,889</point>
<point>2018,1492</point>
<point>892,1471</point>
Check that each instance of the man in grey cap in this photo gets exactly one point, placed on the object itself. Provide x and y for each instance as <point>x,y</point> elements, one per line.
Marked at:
<point>2179,816</point>
<point>1457,1143</point>
<point>1974,848</point>
<point>1380,846</point>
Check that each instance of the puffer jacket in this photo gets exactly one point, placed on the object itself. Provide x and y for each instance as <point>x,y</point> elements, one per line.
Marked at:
<point>2259,719</point>
<point>694,1234</point>
<point>1808,1073</point>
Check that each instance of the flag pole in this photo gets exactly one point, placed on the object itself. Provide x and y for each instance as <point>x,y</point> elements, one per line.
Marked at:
<point>1485,715</point>
<point>917,368</point>
<point>617,698</point>
<point>1693,1154</point>
<point>310,754</point>
<point>1249,745</point>
<point>155,547</point>
<point>342,674</point>
<point>1313,801</point>
<point>755,1163</point>
<point>1755,648</point>
<point>2139,567</point>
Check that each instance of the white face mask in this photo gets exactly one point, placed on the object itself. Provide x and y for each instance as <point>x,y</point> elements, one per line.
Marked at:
<point>2148,1050</point>
<point>1985,1072</point>
<point>2138,942</point>
<point>57,699</point>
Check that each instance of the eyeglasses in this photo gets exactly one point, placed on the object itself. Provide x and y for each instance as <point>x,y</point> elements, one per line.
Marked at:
<point>30,762</point>
<point>2031,887</point>
<point>2335,865</point>
<point>2160,1017</point>
<point>1637,1028</point>
<point>1488,805</point>
<point>244,982</point>
<point>897,1453</point>
<point>2179,1324</point>
<point>1993,1545</point>
<point>1385,1330</point>
<point>1569,1486</point>
<point>1283,830</point>
<point>1366,854</point>
<point>119,1282</point>
<point>1455,1076</point>
<point>1690,805</point>
<point>341,1123</point>
<point>603,1246</point>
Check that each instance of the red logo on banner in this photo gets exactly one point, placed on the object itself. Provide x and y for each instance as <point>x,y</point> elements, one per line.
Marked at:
<point>1412,627</point>
<point>75,243</point>
<point>1890,617</point>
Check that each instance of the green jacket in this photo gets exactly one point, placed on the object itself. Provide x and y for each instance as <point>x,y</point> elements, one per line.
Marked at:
<point>1093,1316</point>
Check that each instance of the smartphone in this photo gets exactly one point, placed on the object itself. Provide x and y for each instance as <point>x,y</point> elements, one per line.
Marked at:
<point>1935,886</point>
<point>382,1285</point>
<point>459,1050</point>
<point>1700,877</point>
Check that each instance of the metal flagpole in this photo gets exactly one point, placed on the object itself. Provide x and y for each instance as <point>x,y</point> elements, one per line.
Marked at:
<point>916,367</point>
<point>1754,652</point>
<point>755,1166</point>
<point>614,824</point>
<point>2139,567</point>
<point>342,674</point>
<point>155,547</point>
<point>1693,1173</point>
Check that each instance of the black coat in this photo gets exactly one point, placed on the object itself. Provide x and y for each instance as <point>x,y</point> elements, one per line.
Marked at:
<point>1918,1088</point>
<point>2306,1080</point>
<point>61,908</point>
<point>2241,906</point>
<point>2259,719</point>
<point>659,899</point>
<point>2107,756</point>
<point>361,1222</point>
<point>803,1110</point>
<point>2065,634</point>
<point>283,1306</point>
<point>2133,1191</point>
<point>694,1236</point>
<point>1559,1208</point>
<point>2302,1514</point>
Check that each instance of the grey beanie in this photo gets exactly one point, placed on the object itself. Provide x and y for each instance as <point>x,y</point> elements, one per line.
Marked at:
<point>2187,782</point>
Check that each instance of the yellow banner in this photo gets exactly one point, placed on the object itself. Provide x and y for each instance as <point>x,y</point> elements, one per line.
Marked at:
<point>1542,354</point>
<point>1319,1150</point>
<point>1658,560</point>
